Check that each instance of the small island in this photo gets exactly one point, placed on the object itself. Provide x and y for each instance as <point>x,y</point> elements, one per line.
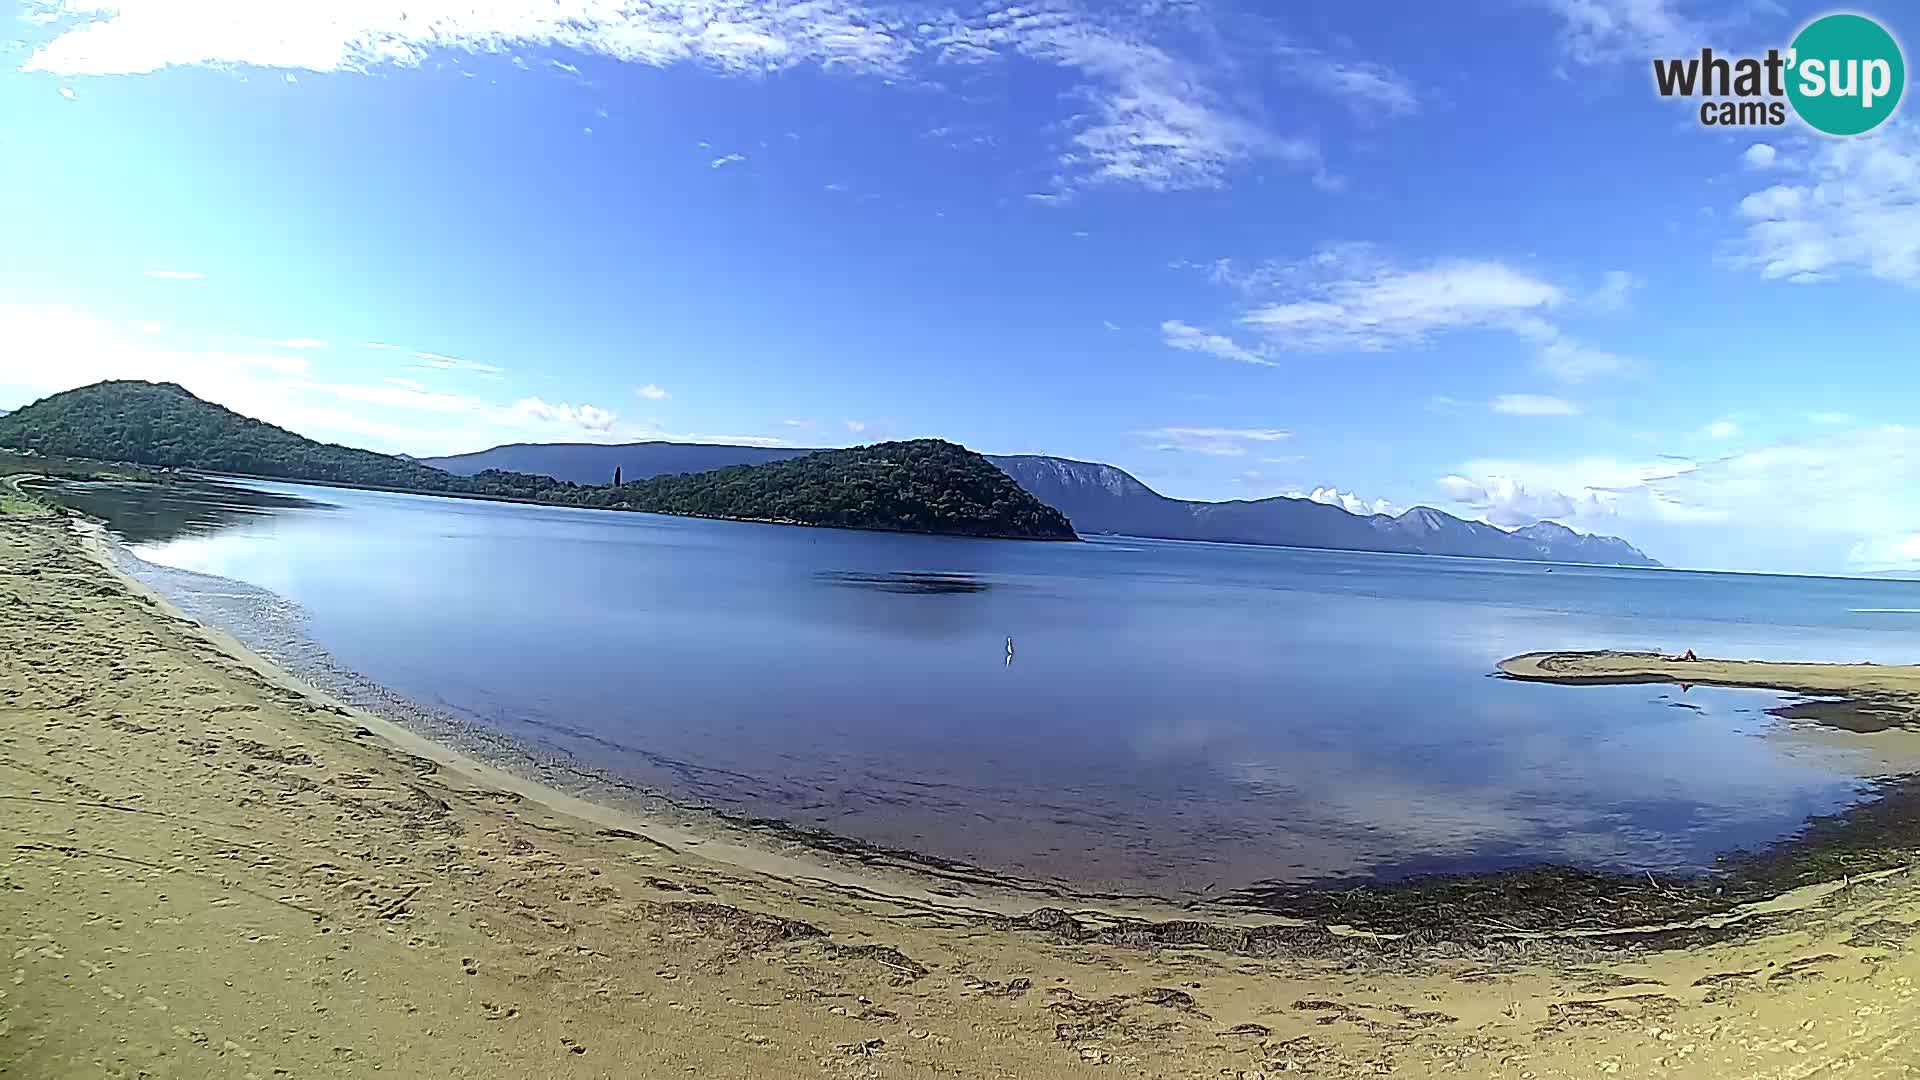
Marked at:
<point>926,485</point>
<point>921,486</point>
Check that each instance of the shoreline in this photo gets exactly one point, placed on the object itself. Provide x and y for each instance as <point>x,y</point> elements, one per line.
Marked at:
<point>724,842</point>
<point>213,871</point>
<point>1481,905</point>
<point>1861,697</point>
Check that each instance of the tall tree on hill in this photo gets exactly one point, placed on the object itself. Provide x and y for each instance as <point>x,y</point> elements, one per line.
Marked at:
<point>616,476</point>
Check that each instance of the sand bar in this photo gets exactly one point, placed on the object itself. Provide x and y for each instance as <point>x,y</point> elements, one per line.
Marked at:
<point>210,871</point>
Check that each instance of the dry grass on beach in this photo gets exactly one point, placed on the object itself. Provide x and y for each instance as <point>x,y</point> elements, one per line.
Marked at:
<point>207,871</point>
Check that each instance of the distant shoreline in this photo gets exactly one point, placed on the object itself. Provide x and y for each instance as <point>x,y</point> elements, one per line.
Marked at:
<point>474,497</point>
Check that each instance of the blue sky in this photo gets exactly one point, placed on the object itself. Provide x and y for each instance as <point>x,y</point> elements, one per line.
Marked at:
<point>1383,257</point>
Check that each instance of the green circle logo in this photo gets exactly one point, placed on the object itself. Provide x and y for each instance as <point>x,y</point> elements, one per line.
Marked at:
<point>1846,74</point>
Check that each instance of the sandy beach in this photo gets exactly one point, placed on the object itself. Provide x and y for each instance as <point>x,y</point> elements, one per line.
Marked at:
<point>211,871</point>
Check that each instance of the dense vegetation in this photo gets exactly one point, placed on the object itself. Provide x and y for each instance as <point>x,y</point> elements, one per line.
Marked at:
<point>924,486</point>
<point>162,425</point>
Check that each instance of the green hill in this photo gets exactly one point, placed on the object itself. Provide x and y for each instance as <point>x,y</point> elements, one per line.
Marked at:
<point>924,486</point>
<point>161,424</point>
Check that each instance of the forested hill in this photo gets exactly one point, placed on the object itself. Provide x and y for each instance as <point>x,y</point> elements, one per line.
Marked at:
<point>162,424</point>
<point>926,485</point>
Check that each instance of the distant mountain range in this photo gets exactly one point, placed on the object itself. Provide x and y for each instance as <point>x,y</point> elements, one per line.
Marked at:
<point>1104,499</point>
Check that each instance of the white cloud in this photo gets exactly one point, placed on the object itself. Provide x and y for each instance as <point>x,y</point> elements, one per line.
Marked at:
<point>1351,503</point>
<point>1182,336</point>
<point>1153,117</point>
<point>1513,493</point>
<point>1844,499</point>
<point>1154,121</point>
<point>147,326</point>
<point>1571,361</point>
<point>1615,292</point>
<point>1165,103</point>
<point>1722,428</point>
<point>725,160</point>
<point>45,349</point>
<point>117,37</point>
<point>67,92</point>
<point>1759,156</point>
<point>1841,206</point>
<point>1214,441</point>
<point>652,393</point>
<point>1350,299</point>
<point>1355,298</point>
<point>1533,405</point>
<point>293,343</point>
<point>176,275</point>
<point>855,427</point>
<point>584,417</point>
<point>1368,89</point>
<point>447,363</point>
<point>1508,503</point>
<point>1830,419</point>
<point>1605,31</point>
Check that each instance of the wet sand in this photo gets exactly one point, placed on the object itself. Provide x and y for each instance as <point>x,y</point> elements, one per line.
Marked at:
<point>210,870</point>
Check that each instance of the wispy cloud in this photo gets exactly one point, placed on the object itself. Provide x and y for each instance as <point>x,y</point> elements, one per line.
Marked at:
<point>1570,361</point>
<point>1352,299</point>
<point>725,160</point>
<point>1162,97</point>
<point>1180,335</point>
<point>1722,428</point>
<point>293,343</point>
<point>176,275</point>
<point>452,363</point>
<point>1843,498</point>
<point>134,36</point>
<point>1533,405</point>
<point>1368,89</point>
<point>1605,31</point>
<point>855,427</point>
<point>1356,298</point>
<point>652,392</point>
<point>1839,206</point>
<point>1214,441</point>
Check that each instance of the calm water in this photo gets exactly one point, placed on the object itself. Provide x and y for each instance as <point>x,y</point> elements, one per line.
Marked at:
<point>1176,718</point>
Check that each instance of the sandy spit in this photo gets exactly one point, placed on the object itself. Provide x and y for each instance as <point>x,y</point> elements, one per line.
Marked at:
<point>207,870</point>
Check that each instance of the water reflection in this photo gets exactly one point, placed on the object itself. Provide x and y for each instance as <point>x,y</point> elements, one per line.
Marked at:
<point>1183,717</point>
<point>155,513</point>
<point>929,582</point>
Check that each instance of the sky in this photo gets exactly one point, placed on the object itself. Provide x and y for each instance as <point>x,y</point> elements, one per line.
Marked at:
<point>1383,256</point>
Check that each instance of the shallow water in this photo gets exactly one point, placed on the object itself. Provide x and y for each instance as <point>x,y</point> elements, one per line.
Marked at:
<point>1174,718</point>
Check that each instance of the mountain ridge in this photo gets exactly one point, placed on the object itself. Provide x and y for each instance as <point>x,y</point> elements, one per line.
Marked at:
<point>1101,498</point>
<point>927,486</point>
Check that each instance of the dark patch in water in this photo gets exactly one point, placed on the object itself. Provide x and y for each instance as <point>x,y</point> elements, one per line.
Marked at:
<point>909,582</point>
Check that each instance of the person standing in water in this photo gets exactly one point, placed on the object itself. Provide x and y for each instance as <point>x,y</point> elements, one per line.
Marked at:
<point>1009,652</point>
